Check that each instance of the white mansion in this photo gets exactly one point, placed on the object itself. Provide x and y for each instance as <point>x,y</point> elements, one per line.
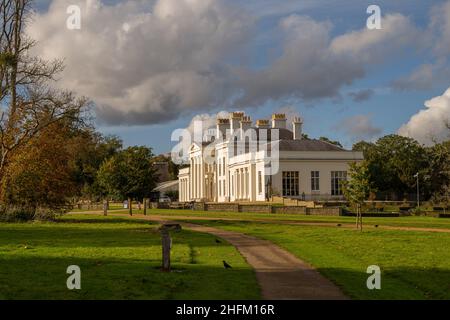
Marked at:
<point>246,163</point>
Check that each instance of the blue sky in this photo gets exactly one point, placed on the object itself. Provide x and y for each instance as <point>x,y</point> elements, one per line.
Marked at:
<point>383,111</point>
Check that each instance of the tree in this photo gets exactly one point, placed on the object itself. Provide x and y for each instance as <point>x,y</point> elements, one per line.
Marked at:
<point>437,173</point>
<point>29,103</point>
<point>129,174</point>
<point>392,162</point>
<point>357,189</point>
<point>90,150</point>
<point>40,173</point>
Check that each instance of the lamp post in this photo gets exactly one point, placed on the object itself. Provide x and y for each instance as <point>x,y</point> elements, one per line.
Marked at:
<point>418,196</point>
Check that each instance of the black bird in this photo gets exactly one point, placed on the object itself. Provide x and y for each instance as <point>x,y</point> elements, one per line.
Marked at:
<point>338,224</point>
<point>218,241</point>
<point>376,226</point>
<point>226,265</point>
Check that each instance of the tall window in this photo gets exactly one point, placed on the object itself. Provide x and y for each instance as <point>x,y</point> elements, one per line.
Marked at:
<point>315,181</point>
<point>223,164</point>
<point>220,167</point>
<point>259,182</point>
<point>336,184</point>
<point>290,183</point>
<point>220,188</point>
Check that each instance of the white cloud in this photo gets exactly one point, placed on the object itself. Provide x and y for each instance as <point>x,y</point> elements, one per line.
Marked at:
<point>145,62</point>
<point>374,45</point>
<point>142,63</point>
<point>428,125</point>
<point>440,26</point>
<point>307,68</point>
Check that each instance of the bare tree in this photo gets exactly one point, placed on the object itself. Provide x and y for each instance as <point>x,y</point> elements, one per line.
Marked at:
<point>28,101</point>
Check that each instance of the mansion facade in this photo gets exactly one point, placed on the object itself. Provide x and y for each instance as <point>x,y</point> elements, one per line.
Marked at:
<point>242,162</point>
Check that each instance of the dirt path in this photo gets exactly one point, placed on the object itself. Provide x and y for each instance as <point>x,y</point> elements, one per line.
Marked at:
<point>287,222</point>
<point>280,274</point>
<point>301,223</point>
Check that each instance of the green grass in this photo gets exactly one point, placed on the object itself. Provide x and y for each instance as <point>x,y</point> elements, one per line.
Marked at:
<point>414,265</point>
<point>119,259</point>
<point>409,221</point>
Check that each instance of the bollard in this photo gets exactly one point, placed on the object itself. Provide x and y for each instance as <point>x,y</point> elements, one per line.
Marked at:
<point>166,242</point>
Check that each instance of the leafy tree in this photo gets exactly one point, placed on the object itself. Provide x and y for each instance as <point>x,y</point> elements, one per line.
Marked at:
<point>40,173</point>
<point>29,102</point>
<point>90,150</point>
<point>357,189</point>
<point>437,173</point>
<point>129,174</point>
<point>392,162</point>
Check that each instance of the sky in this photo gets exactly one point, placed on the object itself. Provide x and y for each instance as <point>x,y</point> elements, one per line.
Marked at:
<point>150,67</point>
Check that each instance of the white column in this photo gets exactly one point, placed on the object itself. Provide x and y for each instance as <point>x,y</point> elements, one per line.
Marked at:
<point>191,179</point>
<point>241,174</point>
<point>195,178</point>
<point>200,178</point>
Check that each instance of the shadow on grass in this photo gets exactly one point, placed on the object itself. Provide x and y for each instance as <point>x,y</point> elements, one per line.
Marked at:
<point>400,283</point>
<point>45,278</point>
<point>105,220</point>
<point>111,233</point>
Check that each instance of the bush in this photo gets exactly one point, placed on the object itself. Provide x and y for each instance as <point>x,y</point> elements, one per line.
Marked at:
<point>418,211</point>
<point>23,213</point>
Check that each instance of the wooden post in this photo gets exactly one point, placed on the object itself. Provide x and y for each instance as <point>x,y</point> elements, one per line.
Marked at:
<point>166,242</point>
<point>165,239</point>
<point>105,207</point>
<point>130,207</point>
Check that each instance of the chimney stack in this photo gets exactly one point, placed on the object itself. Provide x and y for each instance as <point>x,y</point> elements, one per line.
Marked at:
<point>262,124</point>
<point>222,126</point>
<point>246,124</point>
<point>235,119</point>
<point>297,128</point>
<point>279,121</point>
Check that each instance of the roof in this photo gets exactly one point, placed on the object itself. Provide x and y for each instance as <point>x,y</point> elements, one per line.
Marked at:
<point>307,145</point>
<point>287,143</point>
<point>167,186</point>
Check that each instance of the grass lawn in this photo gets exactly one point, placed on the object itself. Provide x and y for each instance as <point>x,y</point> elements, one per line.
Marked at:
<point>414,265</point>
<point>119,259</point>
<point>411,221</point>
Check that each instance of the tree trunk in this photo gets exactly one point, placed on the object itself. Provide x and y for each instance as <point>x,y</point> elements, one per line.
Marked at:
<point>130,207</point>
<point>145,206</point>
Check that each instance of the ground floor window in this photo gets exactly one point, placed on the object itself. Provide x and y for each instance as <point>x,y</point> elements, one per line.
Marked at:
<point>290,183</point>
<point>259,182</point>
<point>336,182</point>
<point>315,181</point>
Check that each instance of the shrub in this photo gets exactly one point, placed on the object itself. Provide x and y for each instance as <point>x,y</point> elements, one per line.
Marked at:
<point>24,213</point>
<point>418,211</point>
<point>16,213</point>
